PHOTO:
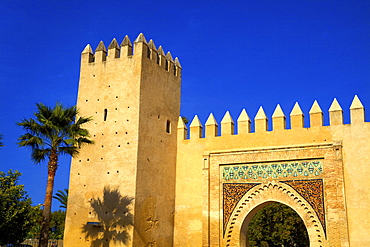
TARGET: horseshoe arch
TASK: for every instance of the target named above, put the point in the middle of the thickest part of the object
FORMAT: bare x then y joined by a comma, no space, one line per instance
260,196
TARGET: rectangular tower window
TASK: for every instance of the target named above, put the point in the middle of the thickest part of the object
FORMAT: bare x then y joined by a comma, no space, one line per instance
105,114
168,126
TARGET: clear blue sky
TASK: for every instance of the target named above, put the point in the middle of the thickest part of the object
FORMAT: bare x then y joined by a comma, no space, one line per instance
234,54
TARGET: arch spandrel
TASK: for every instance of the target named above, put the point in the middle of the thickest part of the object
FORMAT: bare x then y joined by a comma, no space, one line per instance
232,193
250,203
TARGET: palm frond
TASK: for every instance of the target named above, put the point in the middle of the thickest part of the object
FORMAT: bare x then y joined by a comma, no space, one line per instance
70,150
38,155
82,120
83,140
54,129
30,140
62,197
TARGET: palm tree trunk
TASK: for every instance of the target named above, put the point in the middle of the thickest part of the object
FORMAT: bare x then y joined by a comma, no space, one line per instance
52,168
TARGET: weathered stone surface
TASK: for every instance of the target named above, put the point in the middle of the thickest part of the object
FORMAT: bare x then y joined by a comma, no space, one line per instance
134,127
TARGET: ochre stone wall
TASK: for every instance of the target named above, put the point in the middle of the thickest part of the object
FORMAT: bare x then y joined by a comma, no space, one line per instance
204,164
148,181
117,195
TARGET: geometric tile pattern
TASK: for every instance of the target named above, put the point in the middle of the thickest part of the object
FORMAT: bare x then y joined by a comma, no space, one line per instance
312,191
232,193
283,170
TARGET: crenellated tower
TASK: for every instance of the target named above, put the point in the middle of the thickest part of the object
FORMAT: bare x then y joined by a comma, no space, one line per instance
122,188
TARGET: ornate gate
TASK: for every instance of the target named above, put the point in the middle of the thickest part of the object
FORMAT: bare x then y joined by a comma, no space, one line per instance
309,179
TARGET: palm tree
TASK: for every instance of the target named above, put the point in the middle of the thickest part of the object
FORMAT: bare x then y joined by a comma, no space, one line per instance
62,197
53,132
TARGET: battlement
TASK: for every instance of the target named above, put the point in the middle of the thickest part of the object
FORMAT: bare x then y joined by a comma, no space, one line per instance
140,49
244,123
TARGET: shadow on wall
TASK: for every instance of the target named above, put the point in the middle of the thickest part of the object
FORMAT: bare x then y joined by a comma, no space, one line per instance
112,219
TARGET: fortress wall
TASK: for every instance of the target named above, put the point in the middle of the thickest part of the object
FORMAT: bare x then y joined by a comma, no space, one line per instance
104,91
356,159
133,122
191,170
156,165
192,167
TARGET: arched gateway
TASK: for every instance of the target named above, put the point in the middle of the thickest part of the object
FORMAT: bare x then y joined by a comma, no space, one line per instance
257,198
309,179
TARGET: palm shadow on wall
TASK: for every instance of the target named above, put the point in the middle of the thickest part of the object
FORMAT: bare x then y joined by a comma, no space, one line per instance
112,212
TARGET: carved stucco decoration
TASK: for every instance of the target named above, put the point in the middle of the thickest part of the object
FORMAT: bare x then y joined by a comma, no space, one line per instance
233,192
278,191
313,192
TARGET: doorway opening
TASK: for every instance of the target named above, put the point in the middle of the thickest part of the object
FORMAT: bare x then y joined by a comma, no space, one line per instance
275,224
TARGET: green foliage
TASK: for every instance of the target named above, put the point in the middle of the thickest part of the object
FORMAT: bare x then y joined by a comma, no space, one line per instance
17,215
62,197
277,225
34,233
56,228
185,119
54,130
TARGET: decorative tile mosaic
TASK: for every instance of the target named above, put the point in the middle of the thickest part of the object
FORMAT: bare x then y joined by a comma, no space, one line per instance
312,191
232,193
248,172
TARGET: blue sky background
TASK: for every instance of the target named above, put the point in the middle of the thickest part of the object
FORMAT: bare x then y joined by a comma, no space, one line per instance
234,54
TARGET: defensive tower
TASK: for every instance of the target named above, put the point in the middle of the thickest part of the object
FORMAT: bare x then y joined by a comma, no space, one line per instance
133,94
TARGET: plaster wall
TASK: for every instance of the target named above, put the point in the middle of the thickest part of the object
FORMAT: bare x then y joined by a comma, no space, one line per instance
134,101
156,164
112,86
356,159
345,190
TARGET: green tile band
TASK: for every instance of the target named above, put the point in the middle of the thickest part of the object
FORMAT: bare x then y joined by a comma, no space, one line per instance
247,172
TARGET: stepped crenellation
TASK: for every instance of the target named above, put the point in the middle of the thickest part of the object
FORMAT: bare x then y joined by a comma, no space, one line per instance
316,115
141,48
